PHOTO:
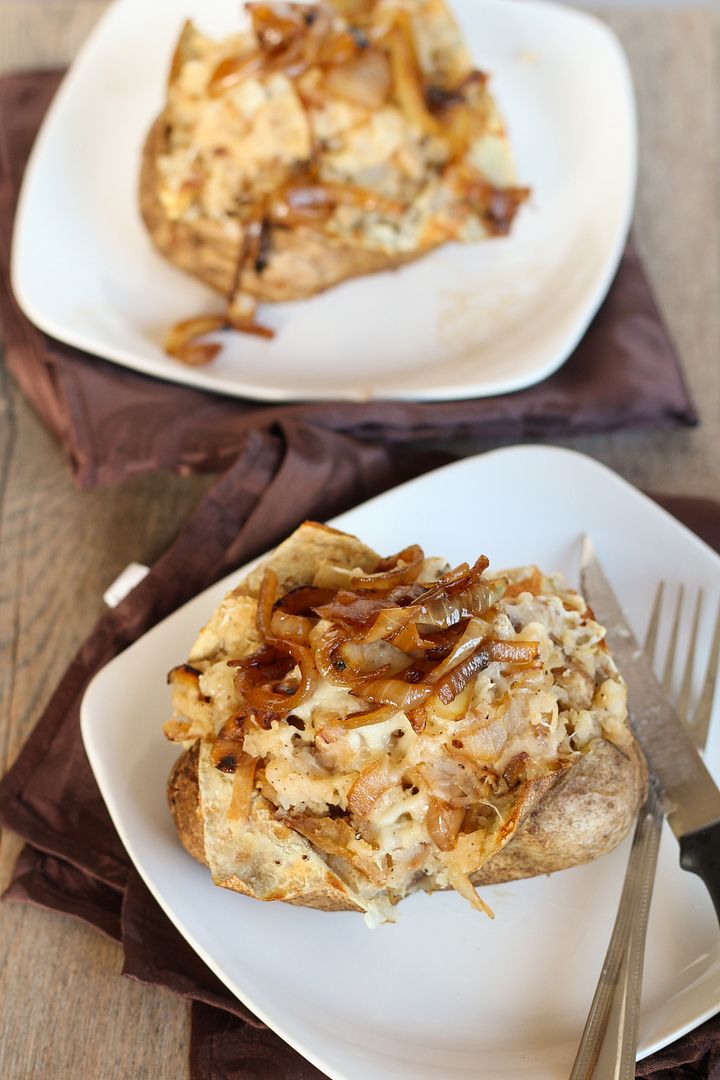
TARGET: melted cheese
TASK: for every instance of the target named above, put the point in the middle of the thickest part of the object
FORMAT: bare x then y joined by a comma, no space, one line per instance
238,143
517,724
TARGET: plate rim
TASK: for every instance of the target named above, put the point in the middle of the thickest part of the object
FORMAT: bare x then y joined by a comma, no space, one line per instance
152,367
98,767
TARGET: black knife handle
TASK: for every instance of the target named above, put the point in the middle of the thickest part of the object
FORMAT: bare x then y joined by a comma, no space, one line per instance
700,854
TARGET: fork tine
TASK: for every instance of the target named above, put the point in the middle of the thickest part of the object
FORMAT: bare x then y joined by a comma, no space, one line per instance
683,702
701,720
672,644
652,629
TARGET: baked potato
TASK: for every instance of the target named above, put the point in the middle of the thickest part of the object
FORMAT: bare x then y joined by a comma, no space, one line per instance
327,141
358,728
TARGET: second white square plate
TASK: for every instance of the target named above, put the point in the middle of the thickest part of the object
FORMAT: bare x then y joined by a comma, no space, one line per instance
444,993
466,321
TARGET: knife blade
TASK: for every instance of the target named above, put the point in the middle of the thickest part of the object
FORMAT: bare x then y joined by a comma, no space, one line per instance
691,800
690,796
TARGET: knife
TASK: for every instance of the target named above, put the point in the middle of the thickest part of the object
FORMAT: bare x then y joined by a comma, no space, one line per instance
690,797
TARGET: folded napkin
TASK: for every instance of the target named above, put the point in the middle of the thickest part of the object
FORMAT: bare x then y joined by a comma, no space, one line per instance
113,422
74,861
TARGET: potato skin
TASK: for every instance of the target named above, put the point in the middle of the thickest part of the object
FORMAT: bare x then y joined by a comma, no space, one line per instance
183,796
302,261
559,820
584,814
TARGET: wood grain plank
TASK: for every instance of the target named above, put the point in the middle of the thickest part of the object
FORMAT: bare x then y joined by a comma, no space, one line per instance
68,1014
66,1011
45,33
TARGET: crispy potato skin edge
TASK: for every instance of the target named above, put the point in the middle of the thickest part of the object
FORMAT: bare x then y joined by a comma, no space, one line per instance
184,802
584,814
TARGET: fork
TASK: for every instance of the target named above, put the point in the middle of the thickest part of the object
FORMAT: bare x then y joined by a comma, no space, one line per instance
609,1041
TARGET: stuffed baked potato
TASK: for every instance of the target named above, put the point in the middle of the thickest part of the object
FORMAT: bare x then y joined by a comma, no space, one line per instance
328,141
357,728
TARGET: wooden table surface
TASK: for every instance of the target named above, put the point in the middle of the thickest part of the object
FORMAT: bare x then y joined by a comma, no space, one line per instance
66,1012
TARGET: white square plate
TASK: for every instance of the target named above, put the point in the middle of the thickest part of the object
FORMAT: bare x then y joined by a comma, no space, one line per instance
443,989
466,321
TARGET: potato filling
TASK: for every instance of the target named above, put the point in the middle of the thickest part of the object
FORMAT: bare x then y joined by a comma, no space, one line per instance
399,716
365,122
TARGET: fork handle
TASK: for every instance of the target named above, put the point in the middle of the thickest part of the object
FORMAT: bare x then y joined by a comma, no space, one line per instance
700,854
608,1044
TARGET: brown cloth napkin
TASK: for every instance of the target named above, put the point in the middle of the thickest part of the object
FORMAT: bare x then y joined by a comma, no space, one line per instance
74,861
113,422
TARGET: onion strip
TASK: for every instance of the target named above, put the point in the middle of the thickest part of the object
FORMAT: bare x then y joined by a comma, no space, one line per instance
443,823
368,788
357,720
289,627
243,787
405,568
404,696
461,883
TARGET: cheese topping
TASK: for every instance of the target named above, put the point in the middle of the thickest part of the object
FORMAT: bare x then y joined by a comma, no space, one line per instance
426,790
237,138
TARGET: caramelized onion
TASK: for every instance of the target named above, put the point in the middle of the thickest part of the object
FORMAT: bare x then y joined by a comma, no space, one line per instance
266,599
357,720
360,609
311,201
182,344
408,639
483,741
452,710
277,24
496,206
531,584
257,676
403,695
290,627
440,607
337,669
461,883
303,657
255,329
266,664
233,70
458,577
357,10
181,340
443,823
227,748
304,599
405,567
391,621
243,787
371,785
371,661
363,80
339,48
516,769
458,677
407,77
329,576
513,652
450,609
471,638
